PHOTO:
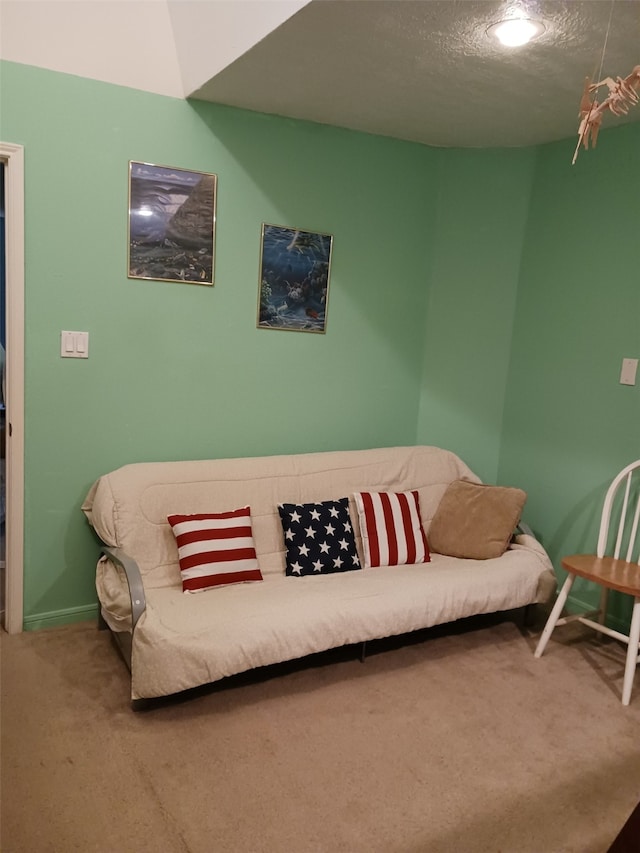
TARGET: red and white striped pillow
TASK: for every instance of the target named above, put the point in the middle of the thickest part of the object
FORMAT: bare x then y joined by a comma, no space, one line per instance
215,548
391,528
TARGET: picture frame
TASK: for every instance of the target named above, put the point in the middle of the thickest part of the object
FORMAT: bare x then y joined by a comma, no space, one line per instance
293,288
171,224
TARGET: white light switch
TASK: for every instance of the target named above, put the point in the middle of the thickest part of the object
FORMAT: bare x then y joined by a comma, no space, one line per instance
74,344
628,372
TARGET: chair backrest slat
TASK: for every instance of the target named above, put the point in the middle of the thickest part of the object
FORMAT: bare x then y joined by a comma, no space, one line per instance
625,527
623,516
634,533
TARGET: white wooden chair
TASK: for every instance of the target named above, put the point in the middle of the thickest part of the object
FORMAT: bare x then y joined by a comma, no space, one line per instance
607,569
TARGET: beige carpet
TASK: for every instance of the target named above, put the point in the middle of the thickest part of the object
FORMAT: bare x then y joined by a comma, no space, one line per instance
460,742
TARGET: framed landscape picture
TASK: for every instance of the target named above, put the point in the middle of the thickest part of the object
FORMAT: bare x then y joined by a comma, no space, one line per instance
172,224
294,279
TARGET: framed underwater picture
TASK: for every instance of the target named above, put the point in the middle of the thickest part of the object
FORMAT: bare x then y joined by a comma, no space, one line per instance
172,223
294,279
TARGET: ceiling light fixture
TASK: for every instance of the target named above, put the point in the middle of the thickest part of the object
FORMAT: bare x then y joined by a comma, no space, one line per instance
514,32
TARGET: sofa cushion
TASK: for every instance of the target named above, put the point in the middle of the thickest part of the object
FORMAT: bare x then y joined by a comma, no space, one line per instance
391,528
215,548
475,521
128,508
318,538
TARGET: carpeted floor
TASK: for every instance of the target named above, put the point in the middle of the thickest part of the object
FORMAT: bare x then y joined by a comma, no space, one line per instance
455,741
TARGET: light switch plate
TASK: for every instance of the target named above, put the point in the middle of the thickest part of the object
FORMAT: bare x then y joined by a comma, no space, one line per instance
74,344
628,372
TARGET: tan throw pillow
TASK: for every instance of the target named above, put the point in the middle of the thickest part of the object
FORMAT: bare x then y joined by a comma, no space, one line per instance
475,521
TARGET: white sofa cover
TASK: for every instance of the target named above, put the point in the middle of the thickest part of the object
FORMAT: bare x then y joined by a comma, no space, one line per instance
182,641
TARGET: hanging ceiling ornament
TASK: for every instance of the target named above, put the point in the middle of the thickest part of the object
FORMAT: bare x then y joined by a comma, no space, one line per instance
623,94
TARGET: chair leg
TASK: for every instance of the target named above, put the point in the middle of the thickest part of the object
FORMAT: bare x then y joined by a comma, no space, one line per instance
604,598
561,600
602,615
632,653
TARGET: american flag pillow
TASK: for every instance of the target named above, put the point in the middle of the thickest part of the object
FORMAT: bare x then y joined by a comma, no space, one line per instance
391,528
215,548
319,538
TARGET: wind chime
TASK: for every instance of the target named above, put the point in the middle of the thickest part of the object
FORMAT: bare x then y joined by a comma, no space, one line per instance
623,94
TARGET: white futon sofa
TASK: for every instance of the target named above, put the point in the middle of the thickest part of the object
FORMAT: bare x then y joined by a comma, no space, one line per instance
174,640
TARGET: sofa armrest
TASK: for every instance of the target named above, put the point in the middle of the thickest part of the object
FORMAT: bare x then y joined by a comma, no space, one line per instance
134,581
524,528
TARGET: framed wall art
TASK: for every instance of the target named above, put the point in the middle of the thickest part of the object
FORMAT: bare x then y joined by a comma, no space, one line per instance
172,224
294,279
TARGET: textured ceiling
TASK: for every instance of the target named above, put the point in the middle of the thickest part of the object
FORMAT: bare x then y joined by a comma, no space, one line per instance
427,72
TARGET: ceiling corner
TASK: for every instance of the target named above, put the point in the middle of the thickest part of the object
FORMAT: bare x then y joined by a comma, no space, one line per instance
211,34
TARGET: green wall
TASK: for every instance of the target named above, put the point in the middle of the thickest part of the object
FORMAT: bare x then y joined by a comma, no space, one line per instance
481,218
569,425
181,371
479,300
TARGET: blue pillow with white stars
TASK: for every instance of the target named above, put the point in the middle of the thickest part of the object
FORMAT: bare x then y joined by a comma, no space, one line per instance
319,538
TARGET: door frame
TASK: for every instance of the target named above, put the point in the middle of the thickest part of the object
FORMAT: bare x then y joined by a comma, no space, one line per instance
13,158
